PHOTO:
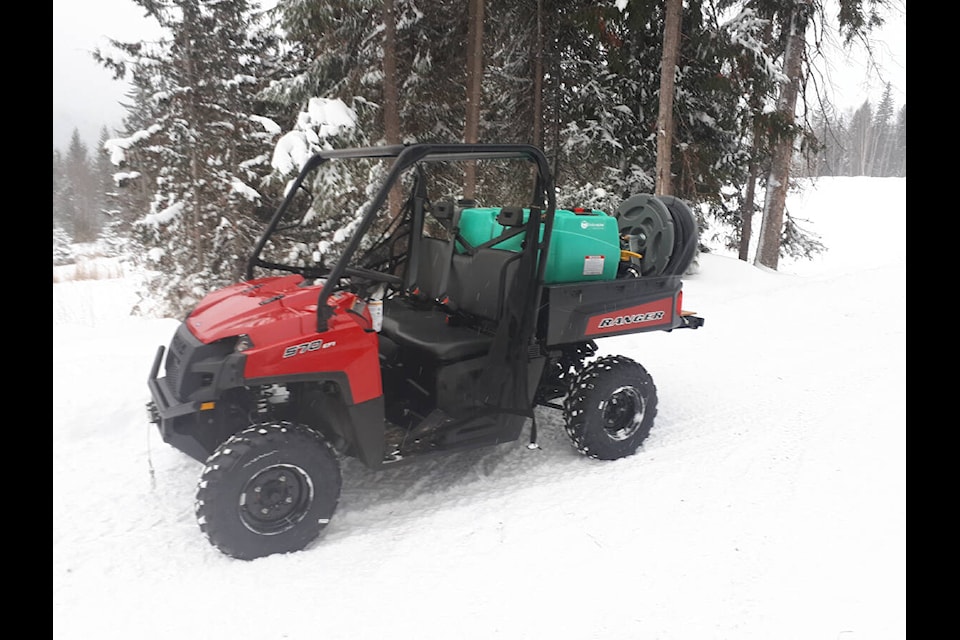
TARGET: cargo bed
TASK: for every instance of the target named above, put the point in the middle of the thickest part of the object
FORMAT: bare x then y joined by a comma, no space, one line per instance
574,312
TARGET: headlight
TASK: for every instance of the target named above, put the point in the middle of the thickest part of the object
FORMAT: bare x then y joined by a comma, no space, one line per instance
243,343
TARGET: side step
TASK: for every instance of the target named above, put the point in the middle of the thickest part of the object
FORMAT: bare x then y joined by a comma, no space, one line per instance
403,443
440,431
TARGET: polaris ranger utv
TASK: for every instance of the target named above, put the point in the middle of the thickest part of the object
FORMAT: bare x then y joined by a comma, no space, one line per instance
441,325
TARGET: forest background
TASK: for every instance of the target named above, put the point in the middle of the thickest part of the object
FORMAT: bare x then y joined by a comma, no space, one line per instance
224,108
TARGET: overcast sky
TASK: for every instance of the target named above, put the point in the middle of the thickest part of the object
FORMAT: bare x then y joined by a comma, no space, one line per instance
86,98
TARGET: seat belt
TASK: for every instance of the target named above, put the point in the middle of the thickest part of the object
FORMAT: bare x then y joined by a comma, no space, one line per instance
443,299
417,199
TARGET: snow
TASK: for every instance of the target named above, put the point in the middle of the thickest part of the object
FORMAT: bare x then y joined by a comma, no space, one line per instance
322,119
768,502
330,116
268,125
247,192
291,152
117,147
165,215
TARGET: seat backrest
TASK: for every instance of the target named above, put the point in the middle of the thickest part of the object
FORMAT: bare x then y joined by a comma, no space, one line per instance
430,267
476,284
480,283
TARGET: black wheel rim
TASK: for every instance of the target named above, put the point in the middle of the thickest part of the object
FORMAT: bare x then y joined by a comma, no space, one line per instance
275,499
622,413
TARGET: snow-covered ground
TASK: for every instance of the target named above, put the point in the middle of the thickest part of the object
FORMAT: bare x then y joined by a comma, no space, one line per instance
768,502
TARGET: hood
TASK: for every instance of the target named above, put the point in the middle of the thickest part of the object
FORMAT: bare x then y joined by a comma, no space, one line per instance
247,307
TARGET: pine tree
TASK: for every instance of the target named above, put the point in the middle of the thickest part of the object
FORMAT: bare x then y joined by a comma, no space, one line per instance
726,83
332,53
62,240
609,117
873,144
59,187
883,136
114,229
861,140
432,64
197,144
581,80
62,247
830,130
900,155
80,206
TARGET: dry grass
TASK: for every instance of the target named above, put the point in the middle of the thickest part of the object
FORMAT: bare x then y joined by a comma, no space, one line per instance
90,268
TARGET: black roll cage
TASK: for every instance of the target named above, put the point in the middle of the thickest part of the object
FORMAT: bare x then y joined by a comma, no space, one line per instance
407,156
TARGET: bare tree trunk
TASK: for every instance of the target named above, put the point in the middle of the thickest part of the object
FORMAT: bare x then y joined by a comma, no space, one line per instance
537,137
878,159
668,72
861,134
753,171
198,233
746,213
872,147
866,144
558,82
771,227
471,130
391,107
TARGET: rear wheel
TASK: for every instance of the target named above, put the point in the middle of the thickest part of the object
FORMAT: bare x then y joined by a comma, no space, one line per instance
611,408
268,489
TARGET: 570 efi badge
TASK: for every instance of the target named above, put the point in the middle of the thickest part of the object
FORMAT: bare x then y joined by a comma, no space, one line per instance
304,347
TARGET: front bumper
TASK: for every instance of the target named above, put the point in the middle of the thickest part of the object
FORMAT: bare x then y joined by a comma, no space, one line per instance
176,421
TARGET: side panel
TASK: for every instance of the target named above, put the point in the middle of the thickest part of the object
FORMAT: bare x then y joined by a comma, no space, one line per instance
576,312
346,347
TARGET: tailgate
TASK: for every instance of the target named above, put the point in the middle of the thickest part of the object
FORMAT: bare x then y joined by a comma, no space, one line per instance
588,310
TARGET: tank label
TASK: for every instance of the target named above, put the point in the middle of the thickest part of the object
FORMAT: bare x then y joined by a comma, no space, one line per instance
593,265
631,319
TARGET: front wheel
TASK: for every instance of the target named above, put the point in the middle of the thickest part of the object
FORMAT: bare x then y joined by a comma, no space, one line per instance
610,409
268,489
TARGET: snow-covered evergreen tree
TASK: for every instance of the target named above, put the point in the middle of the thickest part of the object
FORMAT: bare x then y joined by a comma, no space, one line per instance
78,209
900,166
332,52
339,190
62,247
223,111
861,139
197,144
884,136
59,185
